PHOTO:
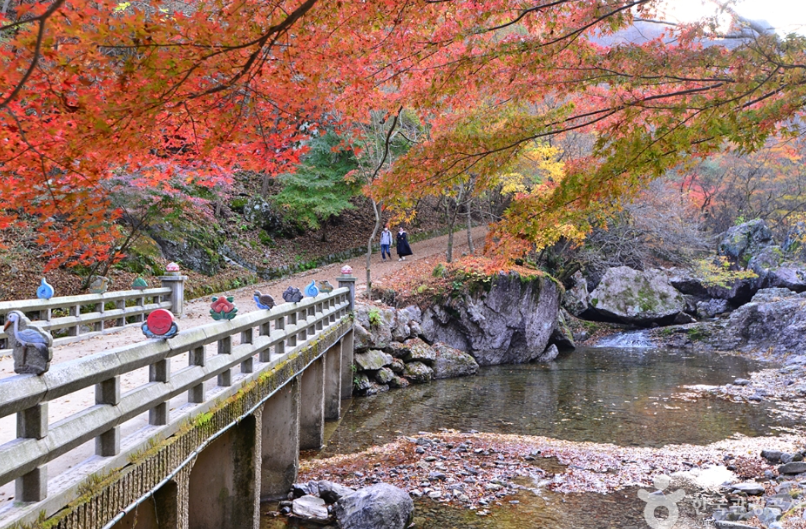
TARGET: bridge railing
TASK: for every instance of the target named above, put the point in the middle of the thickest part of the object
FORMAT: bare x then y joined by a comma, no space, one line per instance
264,336
73,318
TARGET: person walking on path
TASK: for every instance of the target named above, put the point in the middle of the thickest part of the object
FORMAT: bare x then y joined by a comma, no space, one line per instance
403,248
386,243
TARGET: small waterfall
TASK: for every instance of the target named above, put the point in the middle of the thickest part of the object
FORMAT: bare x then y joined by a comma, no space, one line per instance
633,339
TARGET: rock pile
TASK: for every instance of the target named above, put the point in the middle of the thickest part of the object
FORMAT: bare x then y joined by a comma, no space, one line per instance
381,506
390,354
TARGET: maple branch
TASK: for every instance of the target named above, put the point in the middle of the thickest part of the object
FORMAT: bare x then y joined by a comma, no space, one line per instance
37,48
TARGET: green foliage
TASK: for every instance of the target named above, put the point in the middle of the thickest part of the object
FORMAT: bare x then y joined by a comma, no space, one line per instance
374,317
439,270
318,190
717,272
266,239
697,334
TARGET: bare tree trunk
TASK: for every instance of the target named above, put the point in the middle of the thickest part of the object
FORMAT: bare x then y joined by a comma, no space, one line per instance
264,186
451,224
470,248
376,210
5,7
468,203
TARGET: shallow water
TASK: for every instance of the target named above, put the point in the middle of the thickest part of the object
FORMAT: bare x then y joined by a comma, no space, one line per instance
616,396
620,396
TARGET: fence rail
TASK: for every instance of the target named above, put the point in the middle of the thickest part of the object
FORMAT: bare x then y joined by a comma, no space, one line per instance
264,336
73,318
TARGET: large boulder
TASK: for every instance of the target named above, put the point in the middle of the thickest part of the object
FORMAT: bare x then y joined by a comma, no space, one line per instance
740,243
451,363
632,296
774,320
505,320
774,269
576,298
380,506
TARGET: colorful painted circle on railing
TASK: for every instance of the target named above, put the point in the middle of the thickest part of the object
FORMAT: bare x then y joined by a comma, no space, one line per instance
159,322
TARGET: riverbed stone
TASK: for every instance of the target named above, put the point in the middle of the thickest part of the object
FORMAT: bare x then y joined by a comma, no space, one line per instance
310,508
795,467
418,372
549,354
397,349
380,506
451,362
384,375
419,351
397,366
750,488
712,307
333,492
398,382
639,297
361,382
372,360
776,269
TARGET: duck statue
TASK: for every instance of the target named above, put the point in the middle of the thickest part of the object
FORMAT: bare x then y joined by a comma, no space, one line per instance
325,287
31,346
44,290
263,301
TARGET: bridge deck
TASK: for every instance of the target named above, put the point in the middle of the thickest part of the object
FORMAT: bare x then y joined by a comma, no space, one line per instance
133,397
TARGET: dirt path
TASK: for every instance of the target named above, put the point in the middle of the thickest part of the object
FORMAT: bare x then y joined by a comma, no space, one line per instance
197,312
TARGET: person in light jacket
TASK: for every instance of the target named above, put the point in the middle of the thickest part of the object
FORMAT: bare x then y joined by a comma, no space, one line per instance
386,243
403,248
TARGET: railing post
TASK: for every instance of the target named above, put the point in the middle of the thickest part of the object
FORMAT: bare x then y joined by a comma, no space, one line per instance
248,365
108,392
225,348
279,325
292,339
196,358
177,286
32,423
349,282
159,372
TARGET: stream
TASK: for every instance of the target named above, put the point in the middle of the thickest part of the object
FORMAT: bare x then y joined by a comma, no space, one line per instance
603,395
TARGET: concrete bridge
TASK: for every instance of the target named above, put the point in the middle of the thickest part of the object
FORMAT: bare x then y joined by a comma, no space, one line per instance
229,406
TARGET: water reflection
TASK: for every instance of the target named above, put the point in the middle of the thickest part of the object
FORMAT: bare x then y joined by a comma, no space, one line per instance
619,396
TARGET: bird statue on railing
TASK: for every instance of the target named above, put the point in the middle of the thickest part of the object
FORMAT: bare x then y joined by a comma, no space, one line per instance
263,301
292,295
44,290
31,345
325,287
311,291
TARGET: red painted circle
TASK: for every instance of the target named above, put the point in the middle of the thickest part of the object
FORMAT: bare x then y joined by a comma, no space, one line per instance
159,322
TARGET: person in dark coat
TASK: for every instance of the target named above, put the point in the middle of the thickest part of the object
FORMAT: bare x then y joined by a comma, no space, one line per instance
403,248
